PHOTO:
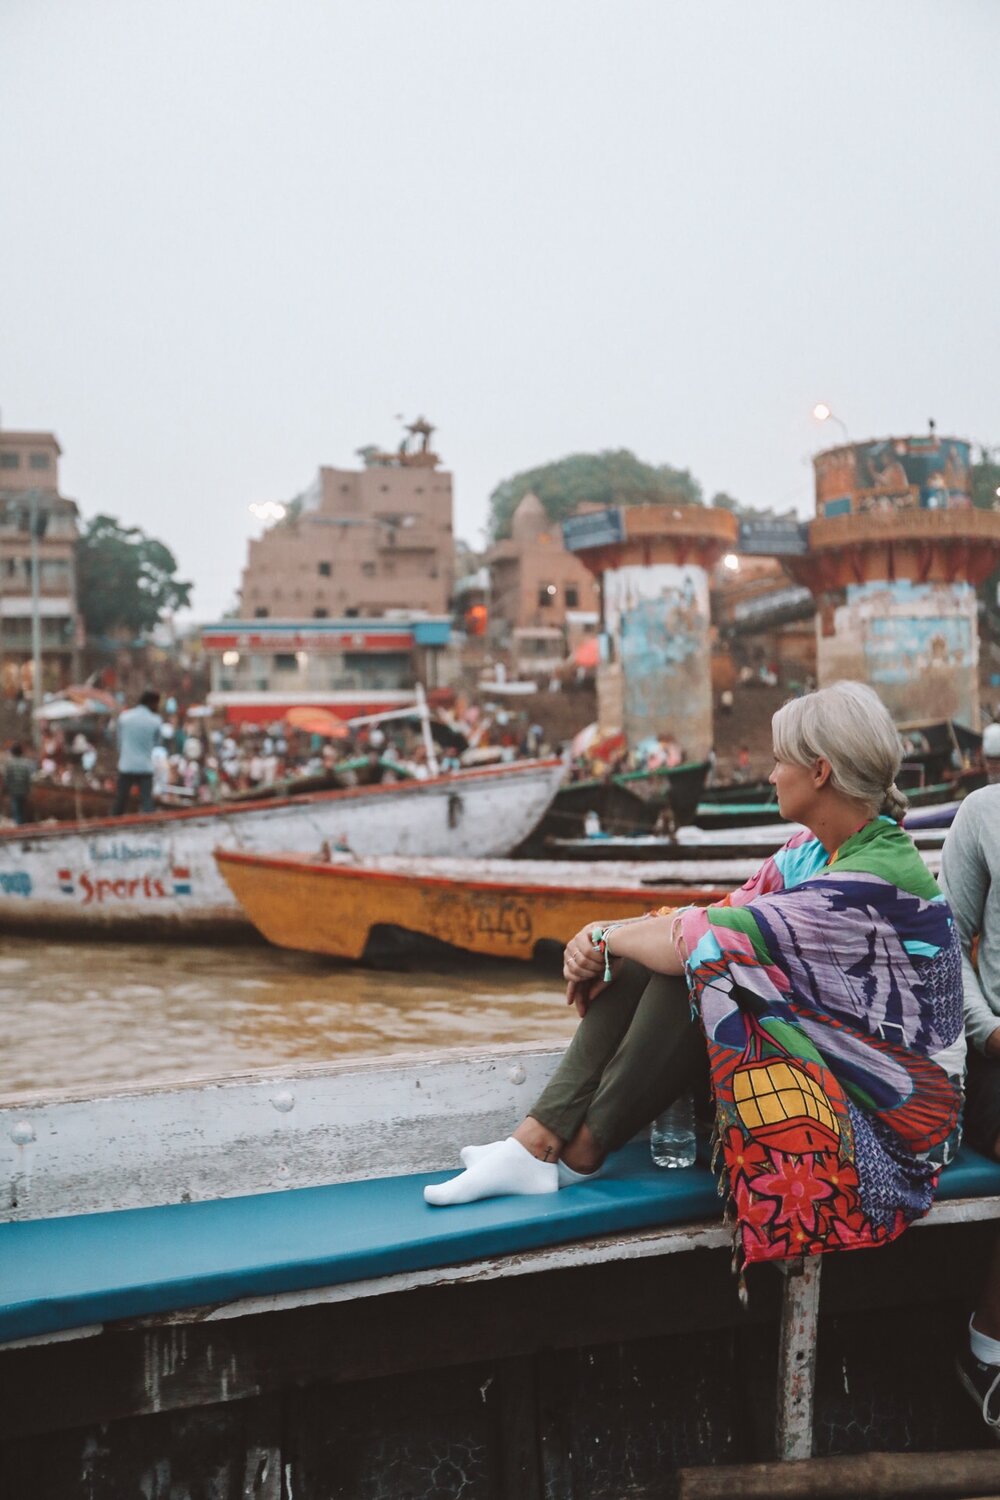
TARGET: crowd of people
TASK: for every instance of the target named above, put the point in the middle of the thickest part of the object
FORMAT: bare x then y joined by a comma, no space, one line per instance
171,758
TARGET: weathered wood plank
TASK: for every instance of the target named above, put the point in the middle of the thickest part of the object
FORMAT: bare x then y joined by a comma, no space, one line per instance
260,1132
612,1249
227,1453
631,1382
128,1371
797,1358
877,1476
429,1440
516,1404
266,1131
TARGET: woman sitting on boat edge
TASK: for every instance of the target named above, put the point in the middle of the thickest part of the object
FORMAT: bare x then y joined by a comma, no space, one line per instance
827,994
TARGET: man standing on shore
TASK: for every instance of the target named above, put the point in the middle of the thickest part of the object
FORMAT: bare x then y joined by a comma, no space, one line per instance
17,783
139,732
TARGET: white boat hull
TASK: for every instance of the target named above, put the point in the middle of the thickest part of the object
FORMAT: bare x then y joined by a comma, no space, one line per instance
157,872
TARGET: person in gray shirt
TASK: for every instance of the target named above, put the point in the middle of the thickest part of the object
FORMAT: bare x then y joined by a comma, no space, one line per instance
970,878
139,732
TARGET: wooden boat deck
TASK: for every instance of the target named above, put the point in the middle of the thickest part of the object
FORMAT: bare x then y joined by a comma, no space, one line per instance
598,1366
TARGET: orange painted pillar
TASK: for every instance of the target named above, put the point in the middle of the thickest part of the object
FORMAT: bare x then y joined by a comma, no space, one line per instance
653,562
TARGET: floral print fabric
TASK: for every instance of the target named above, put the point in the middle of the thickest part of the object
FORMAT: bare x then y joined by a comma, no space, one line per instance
831,999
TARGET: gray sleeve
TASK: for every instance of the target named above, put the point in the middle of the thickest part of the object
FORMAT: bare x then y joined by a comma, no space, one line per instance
965,880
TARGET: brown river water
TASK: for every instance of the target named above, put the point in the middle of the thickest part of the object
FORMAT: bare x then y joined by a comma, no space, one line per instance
92,1016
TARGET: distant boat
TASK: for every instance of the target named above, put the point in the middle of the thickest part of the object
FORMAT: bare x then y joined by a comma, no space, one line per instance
753,813
740,791
155,872
629,802
52,799
499,908
706,846
733,814
68,803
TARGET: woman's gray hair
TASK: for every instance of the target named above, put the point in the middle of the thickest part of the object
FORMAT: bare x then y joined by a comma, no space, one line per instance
848,725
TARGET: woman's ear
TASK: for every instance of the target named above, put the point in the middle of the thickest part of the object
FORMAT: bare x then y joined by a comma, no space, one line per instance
822,771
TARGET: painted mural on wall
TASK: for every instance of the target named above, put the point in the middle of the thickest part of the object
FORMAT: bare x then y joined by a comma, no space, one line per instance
925,473
658,619
916,643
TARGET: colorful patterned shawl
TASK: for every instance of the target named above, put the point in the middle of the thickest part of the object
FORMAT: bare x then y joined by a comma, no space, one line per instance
830,993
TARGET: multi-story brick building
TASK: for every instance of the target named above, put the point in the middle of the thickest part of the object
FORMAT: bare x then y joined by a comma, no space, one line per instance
29,485
358,543
373,545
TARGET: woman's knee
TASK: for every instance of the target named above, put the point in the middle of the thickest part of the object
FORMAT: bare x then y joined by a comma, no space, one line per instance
667,989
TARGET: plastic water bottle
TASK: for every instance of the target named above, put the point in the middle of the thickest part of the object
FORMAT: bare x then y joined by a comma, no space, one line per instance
671,1136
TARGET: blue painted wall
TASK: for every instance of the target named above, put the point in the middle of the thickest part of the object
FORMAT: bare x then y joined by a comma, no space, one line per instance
917,644
657,618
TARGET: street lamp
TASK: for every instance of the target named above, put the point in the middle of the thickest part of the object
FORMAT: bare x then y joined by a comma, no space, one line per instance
268,510
822,413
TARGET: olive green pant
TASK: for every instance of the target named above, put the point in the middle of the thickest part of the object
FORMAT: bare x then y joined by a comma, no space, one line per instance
635,1051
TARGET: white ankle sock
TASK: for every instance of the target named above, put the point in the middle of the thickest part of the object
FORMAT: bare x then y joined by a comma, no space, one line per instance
471,1154
507,1168
983,1347
567,1177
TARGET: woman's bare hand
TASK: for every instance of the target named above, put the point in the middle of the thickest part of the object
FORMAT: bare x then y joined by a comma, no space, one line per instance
581,995
578,995
584,968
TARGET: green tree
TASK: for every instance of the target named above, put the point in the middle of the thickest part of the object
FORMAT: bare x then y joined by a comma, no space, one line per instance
739,508
126,580
727,502
610,478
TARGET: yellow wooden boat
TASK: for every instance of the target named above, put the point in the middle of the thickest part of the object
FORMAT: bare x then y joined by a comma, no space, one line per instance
499,908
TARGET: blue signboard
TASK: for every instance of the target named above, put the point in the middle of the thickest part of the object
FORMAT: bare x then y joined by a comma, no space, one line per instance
598,528
773,536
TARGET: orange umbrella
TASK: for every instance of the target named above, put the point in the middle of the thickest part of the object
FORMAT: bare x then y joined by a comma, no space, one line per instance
318,721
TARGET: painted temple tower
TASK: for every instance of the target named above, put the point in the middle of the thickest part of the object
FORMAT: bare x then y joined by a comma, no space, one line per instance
896,552
653,562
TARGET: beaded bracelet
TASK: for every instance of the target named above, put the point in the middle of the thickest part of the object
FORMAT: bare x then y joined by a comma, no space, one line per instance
598,940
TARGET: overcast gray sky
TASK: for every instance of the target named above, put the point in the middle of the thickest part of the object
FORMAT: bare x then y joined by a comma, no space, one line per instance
239,236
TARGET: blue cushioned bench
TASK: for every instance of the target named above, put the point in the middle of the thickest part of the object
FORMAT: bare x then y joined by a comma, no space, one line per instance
64,1273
